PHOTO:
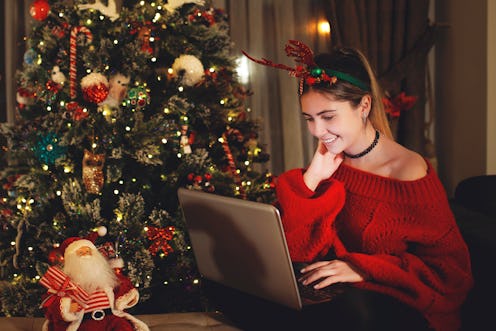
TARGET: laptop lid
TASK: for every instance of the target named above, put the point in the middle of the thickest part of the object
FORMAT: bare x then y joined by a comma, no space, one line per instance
240,244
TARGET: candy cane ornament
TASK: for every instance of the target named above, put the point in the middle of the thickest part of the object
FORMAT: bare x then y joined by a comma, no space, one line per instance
232,164
72,55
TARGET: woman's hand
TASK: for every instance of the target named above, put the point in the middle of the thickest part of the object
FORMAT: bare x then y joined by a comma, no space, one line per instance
329,272
323,165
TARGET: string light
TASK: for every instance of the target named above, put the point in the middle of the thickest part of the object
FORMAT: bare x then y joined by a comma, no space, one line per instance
118,216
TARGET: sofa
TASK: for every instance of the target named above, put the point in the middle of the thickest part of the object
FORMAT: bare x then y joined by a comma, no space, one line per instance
474,207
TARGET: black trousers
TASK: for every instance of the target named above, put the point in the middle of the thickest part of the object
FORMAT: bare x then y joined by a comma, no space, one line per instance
353,310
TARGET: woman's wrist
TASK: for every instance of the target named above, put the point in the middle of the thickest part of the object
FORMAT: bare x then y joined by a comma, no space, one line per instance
311,181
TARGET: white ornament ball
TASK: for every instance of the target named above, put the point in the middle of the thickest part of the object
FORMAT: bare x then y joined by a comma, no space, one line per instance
189,69
102,231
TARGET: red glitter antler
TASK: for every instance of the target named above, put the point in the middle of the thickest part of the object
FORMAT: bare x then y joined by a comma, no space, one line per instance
301,52
268,63
294,48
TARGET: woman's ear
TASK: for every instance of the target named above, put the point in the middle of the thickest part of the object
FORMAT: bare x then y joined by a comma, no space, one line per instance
365,105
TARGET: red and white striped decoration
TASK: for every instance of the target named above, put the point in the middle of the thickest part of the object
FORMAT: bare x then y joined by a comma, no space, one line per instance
97,300
59,284
232,164
72,55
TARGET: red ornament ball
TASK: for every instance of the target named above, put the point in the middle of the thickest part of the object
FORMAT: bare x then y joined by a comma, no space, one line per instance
39,10
55,256
96,93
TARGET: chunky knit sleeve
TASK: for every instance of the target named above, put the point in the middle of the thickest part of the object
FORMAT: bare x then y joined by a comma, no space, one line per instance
308,216
412,249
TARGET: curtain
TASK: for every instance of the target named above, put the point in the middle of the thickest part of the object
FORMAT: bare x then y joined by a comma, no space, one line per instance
15,24
262,28
396,36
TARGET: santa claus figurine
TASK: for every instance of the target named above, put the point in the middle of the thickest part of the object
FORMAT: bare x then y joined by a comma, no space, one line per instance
87,294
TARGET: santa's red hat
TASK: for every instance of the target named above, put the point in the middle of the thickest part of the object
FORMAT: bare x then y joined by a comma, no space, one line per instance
72,244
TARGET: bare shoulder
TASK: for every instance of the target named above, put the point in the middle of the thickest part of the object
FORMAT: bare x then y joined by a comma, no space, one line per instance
407,165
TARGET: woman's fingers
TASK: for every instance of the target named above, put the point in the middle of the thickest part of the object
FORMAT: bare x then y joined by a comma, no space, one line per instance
329,272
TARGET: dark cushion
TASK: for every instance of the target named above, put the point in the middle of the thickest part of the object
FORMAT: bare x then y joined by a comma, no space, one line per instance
478,193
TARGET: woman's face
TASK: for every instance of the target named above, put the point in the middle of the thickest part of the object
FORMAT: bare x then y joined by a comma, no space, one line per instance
336,123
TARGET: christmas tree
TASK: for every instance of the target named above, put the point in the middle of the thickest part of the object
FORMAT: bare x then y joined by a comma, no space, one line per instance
117,109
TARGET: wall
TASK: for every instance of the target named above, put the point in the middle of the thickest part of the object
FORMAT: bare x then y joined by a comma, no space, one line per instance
461,90
491,87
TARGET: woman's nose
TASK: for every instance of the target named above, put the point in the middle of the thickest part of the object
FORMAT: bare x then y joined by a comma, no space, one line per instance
319,129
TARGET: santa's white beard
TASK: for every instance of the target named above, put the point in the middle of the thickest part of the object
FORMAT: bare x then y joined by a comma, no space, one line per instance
91,272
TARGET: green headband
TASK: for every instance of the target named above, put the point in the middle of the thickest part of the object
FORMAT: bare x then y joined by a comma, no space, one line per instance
317,73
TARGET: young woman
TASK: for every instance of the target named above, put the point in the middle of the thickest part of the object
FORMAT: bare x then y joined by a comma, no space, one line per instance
367,211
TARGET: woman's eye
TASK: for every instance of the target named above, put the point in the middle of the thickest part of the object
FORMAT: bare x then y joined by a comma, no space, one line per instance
309,119
327,118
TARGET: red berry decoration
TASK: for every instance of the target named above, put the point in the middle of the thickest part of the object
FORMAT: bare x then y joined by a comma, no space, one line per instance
39,10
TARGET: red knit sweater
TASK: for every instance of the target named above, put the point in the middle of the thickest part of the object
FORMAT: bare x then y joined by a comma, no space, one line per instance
401,234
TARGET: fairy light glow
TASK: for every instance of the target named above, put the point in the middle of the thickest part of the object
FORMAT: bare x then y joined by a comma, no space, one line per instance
242,69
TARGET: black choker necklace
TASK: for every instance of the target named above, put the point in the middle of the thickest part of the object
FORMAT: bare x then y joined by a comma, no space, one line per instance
367,150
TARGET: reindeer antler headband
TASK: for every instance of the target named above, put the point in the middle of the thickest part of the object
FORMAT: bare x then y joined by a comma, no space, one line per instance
310,73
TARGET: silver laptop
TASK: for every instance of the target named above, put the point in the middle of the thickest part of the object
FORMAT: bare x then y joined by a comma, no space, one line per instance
241,244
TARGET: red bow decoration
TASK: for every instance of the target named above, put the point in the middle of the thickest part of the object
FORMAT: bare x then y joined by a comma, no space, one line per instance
400,103
59,284
160,238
